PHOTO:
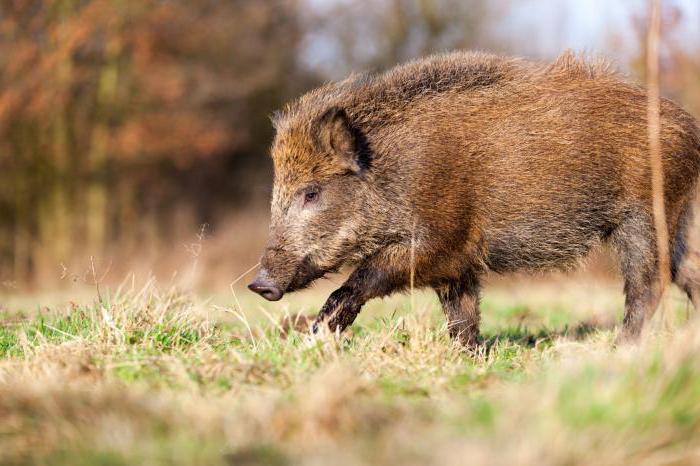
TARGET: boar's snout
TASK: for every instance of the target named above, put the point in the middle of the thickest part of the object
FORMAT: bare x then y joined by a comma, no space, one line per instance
263,286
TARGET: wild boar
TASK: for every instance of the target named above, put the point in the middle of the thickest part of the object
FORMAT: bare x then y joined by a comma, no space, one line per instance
445,168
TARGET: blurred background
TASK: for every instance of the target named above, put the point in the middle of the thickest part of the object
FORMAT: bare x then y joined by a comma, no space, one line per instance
136,132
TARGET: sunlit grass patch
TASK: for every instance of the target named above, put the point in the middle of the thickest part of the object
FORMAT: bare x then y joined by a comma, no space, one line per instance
157,376
8,342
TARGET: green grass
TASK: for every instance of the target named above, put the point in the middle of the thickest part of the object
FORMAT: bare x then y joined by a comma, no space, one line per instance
154,376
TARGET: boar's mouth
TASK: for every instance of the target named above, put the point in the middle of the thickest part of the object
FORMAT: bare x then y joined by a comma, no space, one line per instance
306,273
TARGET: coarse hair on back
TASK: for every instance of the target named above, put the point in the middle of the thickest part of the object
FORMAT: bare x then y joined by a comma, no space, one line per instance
371,97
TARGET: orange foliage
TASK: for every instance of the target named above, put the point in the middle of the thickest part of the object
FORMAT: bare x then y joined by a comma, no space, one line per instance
103,99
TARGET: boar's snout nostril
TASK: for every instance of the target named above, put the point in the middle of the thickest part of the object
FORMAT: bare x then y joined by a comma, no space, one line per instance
266,289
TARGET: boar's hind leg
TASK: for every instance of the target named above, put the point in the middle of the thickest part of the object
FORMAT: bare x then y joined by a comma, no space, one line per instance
460,302
685,266
635,243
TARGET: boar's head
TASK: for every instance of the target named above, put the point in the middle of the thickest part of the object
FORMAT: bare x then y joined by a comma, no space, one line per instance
321,165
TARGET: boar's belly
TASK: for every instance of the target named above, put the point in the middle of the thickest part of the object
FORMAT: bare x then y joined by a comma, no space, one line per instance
543,243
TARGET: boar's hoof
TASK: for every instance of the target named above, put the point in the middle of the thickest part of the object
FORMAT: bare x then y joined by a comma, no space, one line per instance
626,337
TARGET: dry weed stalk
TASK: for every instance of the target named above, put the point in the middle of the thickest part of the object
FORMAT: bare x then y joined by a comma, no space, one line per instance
655,156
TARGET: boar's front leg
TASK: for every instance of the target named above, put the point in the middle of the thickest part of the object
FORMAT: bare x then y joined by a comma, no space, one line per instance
460,302
340,310
344,304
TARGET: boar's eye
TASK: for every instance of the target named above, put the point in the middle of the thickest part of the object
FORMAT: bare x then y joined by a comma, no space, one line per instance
311,196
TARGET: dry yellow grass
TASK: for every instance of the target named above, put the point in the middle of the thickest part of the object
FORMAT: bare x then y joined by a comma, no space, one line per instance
152,376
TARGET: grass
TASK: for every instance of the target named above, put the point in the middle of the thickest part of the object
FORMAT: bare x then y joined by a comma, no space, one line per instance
154,376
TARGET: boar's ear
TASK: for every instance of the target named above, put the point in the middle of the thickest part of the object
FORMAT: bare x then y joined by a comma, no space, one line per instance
337,136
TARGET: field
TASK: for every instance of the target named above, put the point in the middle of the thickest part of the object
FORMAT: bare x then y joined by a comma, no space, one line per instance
152,375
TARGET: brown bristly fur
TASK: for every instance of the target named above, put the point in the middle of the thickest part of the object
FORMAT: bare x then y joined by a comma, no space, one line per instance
500,164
